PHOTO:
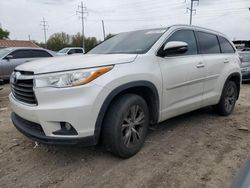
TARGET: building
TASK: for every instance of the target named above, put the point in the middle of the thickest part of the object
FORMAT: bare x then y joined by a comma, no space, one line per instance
17,43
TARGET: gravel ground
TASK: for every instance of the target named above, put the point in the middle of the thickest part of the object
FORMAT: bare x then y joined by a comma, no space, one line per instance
198,149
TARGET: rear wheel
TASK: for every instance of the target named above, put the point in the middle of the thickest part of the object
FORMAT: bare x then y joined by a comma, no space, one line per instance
228,99
125,125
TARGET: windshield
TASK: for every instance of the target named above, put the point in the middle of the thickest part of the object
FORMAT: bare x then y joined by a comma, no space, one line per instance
64,50
4,52
135,42
245,57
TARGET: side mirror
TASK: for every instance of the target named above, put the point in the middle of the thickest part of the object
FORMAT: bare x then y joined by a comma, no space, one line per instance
175,48
8,57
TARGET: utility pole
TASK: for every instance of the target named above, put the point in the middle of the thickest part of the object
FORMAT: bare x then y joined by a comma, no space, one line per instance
103,29
29,37
45,26
191,10
82,10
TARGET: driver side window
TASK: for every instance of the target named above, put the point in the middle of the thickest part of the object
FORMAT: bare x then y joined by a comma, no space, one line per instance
188,37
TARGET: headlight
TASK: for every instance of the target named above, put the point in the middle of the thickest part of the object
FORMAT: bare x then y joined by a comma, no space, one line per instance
70,78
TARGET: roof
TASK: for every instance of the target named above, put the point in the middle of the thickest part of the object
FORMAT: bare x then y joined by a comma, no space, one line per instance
17,43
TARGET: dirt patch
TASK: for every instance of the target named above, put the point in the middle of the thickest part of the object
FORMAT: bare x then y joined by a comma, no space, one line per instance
199,149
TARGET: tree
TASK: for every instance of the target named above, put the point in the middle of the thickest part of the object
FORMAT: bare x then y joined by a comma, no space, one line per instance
90,43
110,35
4,34
58,41
76,40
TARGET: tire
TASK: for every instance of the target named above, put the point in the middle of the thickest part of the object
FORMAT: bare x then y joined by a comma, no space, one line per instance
228,99
125,125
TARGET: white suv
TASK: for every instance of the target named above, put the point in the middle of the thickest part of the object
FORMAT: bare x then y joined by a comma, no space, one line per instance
124,85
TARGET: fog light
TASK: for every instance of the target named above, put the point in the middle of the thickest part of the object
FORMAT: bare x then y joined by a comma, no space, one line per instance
68,126
66,129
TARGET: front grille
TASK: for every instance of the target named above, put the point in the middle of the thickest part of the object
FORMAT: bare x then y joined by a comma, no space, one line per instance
22,90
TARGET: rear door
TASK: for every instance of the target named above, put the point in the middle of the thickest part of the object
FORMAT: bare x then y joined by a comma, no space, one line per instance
183,77
215,61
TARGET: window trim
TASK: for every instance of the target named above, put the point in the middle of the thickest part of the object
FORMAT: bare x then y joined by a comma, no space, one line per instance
174,31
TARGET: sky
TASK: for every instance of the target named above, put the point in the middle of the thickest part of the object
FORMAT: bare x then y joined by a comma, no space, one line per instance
23,17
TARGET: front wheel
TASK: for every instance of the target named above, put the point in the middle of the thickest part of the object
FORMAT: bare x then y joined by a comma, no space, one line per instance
125,125
228,99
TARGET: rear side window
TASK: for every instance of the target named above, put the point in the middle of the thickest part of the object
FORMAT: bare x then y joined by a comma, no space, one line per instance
208,43
40,53
19,54
185,36
78,51
225,45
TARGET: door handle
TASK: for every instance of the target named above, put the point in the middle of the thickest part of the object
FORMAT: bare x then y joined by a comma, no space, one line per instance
226,61
200,65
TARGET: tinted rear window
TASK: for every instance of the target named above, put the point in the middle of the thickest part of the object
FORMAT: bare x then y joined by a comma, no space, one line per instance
40,53
225,45
208,43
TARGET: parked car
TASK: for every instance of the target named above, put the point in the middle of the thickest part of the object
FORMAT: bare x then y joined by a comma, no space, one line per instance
243,178
70,51
12,57
245,66
124,85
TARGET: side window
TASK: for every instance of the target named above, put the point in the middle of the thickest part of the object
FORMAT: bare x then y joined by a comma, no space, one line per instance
79,51
225,45
72,51
185,36
19,54
208,43
40,53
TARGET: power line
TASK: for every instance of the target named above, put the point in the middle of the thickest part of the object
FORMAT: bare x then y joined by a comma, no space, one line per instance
191,10
82,10
45,26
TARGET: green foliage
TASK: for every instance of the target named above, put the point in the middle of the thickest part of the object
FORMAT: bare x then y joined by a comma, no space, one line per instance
110,35
57,41
90,43
76,40
4,34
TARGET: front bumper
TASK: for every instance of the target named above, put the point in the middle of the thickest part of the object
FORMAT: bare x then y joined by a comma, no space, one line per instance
78,106
35,132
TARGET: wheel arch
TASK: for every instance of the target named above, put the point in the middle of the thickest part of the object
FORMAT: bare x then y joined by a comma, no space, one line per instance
145,89
235,77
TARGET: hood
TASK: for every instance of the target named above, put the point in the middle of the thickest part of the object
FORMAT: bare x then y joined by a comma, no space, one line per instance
64,63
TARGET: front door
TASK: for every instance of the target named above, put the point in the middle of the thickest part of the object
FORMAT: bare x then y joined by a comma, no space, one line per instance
183,77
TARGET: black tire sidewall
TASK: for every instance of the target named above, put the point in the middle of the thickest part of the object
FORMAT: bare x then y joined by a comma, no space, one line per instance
221,105
113,124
